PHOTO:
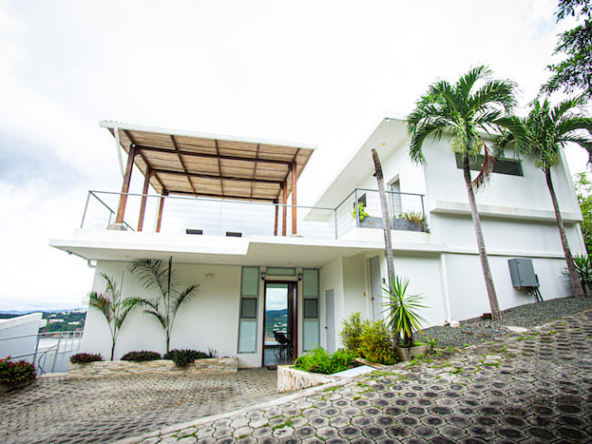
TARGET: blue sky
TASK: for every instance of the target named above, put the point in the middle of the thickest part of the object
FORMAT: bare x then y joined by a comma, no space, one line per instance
315,72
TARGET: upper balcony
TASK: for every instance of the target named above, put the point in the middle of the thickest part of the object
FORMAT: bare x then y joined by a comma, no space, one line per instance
218,199
234,218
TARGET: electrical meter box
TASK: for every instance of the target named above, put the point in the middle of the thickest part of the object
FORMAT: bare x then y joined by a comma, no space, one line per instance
522,273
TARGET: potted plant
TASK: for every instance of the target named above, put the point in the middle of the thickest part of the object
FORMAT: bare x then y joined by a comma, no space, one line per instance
403,318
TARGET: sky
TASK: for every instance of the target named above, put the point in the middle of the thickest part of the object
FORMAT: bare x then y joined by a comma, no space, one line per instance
317,72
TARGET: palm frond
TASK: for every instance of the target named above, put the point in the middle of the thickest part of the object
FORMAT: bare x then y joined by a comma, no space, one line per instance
159,317
183,296
101,303
151,274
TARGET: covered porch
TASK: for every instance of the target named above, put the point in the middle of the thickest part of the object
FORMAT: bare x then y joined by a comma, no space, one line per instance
208,166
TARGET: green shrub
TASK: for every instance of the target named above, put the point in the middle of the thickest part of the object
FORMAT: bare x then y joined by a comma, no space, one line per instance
85,358
351,332
184,357
320,361
13,373
141,356
376,343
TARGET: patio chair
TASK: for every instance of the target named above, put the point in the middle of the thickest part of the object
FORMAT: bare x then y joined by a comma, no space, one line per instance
283,341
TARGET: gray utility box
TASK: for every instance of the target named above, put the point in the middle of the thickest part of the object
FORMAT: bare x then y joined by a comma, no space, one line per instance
522,273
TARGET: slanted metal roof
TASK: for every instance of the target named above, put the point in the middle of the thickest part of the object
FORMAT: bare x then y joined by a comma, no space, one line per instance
210,165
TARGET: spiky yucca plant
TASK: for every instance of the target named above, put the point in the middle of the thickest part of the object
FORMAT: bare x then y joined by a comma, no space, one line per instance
402,311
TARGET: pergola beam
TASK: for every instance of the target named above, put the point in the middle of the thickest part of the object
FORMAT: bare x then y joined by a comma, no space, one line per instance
141,148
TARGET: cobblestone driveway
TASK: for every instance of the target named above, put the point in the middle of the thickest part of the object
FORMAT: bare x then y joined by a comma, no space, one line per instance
60,410
532,388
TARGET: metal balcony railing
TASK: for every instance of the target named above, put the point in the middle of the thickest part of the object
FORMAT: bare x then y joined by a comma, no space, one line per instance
216,217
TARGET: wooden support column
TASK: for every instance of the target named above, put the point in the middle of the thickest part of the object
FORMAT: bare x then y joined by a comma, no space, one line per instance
294,196
164,194
285,208
126,183
275,225
144,199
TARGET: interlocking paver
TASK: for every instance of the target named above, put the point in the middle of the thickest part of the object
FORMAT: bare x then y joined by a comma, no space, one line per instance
526,388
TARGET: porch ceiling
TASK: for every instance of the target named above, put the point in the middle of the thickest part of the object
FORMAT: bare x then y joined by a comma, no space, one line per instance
182,162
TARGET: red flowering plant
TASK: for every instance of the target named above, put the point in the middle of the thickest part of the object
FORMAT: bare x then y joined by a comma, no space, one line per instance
12,373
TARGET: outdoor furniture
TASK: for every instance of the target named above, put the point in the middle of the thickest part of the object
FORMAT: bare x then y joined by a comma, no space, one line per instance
285,345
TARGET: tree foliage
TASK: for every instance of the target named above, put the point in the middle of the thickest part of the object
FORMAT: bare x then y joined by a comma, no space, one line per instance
574,73
474,105
113,307
583,188
157,276
549,128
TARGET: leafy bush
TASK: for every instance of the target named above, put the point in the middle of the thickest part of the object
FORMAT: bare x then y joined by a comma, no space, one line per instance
320,361
85,358
376,343
16,372
184,357
351,332
141,356
583,265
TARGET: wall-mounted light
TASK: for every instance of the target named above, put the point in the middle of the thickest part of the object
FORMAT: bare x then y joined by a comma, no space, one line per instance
299,276
263,275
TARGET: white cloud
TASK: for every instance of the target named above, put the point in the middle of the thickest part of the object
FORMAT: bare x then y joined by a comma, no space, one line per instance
314,72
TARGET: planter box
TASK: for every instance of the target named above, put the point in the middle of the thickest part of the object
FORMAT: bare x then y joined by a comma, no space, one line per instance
396,224
407,354
9,387
289,379
160,367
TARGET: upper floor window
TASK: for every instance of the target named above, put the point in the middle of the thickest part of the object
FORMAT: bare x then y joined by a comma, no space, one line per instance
502,165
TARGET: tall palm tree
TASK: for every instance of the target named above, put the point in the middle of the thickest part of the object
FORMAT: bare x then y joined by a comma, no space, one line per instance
549,129
112,306
474,105
156,275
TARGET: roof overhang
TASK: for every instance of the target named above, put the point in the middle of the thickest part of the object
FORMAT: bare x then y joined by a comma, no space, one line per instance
389,136
210,165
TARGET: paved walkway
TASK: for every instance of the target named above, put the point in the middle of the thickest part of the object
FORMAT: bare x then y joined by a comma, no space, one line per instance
60,410
535,387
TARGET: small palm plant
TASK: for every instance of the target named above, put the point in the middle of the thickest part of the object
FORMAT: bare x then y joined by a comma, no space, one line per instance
583,266
156,275
402,310
113,307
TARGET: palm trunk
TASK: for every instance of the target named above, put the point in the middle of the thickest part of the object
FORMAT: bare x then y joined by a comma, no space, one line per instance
113,349
573,275
386,225
496,315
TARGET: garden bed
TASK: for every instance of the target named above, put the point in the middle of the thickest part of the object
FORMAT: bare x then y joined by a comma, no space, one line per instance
158,367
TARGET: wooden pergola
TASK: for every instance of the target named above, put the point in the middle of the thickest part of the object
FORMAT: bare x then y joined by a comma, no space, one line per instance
188,163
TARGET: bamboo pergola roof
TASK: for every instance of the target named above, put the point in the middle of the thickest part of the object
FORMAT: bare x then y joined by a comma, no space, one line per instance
182,162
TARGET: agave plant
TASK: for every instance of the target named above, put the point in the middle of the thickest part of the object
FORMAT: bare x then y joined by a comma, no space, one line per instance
155,275
583,266
114,308
402,310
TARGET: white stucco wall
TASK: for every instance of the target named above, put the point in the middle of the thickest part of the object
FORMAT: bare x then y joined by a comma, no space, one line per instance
331,278
18,336
209,319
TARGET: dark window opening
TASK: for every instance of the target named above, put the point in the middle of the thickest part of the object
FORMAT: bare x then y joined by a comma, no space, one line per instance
512,167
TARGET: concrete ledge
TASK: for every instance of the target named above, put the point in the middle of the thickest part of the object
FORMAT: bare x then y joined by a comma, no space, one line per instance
161,367
289,379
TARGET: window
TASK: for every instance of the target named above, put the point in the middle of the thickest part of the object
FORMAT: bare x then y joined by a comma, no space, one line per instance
502,165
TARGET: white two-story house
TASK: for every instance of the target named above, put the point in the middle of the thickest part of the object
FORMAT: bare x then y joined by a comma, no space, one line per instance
226,210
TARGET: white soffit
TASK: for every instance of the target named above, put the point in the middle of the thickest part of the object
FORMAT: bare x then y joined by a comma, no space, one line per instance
388,137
